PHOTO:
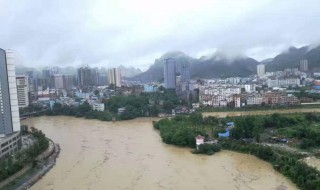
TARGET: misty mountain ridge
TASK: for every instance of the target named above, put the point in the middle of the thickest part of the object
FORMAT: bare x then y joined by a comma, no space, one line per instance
221,65
215,65
129,71
291,59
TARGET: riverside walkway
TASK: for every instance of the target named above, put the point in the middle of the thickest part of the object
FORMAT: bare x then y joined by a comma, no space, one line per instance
46,161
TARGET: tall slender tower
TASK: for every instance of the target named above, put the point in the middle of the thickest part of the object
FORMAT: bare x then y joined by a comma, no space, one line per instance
9,110
170,73
114,77
261,70
304,65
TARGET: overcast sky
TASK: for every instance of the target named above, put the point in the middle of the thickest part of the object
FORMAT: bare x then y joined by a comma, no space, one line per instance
135,32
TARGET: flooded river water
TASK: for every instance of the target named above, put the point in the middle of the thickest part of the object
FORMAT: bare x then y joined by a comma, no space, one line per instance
130,155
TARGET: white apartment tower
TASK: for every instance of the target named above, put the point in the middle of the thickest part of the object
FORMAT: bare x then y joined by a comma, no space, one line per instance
114,77
261,70
22,90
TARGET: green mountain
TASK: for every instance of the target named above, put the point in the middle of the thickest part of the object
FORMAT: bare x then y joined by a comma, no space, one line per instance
218,66
204,67
291,59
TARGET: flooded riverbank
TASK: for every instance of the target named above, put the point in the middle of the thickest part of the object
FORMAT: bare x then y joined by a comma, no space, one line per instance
130,155
258,112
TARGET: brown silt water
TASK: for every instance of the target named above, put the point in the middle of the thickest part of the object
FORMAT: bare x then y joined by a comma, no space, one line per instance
130,155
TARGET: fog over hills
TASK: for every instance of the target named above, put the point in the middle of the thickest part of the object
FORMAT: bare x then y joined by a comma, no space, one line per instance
220,65
291,59
216,65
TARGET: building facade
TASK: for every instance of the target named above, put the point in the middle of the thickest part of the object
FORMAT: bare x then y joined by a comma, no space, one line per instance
58,81
85,77
22,91
169,73
114,77
9,110
261,70
304,65
9,113
98,106
69,81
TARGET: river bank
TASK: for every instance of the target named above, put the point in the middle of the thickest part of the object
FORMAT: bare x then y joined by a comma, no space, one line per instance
131,155
28,176
223,114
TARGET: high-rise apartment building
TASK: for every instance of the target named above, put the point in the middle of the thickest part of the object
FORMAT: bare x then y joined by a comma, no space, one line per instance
10,139
85,77
304,65
174,69
22,90
9,113
169,73
261,70
58,81
54,70
69,81
114,77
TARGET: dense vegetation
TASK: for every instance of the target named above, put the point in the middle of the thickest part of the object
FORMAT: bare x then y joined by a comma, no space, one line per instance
147,104
182,130
208,149
304,176
302,127
11,165
248,130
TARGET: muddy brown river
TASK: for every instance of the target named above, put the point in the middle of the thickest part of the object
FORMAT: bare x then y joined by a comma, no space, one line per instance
130,155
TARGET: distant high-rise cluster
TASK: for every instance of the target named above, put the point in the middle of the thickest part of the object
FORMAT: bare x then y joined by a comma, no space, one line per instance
261,71
114,77
304,65
175,72
9,110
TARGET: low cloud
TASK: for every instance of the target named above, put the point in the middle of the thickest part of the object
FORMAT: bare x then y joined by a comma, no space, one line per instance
135,33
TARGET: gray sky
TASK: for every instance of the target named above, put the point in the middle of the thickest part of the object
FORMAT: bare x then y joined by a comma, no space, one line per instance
135,32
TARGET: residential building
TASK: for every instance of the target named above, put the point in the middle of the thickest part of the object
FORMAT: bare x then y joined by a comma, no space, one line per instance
150,88
9,110
85,77
114,77
22,90
283,82
169,73
237,101
255,99
58,81
199,141
69,81
172,70
304,65
98,106
261,70
103,79
54,70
